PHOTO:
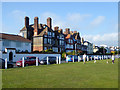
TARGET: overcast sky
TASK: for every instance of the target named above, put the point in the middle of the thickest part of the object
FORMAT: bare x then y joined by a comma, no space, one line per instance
97,22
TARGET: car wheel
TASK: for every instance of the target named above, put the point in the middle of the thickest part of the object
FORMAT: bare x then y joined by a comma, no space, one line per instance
27,64
10,66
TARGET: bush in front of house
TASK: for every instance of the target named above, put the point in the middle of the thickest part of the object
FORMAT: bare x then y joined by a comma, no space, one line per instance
63,55
49,51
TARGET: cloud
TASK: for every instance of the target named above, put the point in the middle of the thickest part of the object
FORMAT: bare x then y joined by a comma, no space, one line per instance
77,17
71,20
56,19
98,20
108,39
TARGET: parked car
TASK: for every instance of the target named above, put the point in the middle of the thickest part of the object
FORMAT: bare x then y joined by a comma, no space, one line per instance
51,60
29,60
2,64
69,58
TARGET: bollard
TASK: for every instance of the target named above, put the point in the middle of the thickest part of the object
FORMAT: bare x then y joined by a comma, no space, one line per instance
6,63
87,58
97,57
36,61
73,58
94,57
47,60
67,59
102,57
78,58
59,59
23,62
91,58
106,57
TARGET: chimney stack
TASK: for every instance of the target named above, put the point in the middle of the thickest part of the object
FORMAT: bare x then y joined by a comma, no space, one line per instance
35,26
56,28
26,21
49,22
67,31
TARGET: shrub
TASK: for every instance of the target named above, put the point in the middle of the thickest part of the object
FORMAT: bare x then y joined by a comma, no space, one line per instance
64,55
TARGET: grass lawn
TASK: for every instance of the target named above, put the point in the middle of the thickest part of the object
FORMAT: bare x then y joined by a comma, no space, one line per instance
66,75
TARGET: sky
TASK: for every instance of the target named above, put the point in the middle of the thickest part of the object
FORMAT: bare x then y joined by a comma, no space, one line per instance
97,22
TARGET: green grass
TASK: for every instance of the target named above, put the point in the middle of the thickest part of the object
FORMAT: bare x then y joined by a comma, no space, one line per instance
67,75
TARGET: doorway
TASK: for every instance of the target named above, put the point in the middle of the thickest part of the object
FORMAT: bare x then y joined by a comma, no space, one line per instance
10,56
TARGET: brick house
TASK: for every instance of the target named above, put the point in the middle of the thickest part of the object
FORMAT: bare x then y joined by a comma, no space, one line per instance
43,37
59,39
73,40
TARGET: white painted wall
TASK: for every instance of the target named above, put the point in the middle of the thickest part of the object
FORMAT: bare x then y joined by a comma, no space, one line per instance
13,44
17,56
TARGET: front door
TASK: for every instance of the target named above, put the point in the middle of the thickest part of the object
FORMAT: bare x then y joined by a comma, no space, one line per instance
10,56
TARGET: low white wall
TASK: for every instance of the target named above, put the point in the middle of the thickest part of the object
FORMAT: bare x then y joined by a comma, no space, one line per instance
17,57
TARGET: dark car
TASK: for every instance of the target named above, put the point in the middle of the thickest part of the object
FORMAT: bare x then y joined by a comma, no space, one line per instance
2,64
51,60
29,60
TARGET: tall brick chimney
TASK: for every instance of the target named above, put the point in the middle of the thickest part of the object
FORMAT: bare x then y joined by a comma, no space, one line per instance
56,28
26,21
35,26
49,22
67,31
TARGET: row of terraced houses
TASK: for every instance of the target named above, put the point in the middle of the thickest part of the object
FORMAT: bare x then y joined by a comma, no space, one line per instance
43,37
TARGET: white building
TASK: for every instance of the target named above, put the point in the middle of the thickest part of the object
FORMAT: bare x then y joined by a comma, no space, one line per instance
16,42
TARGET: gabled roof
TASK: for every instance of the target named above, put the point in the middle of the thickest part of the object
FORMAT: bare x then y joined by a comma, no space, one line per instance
13,37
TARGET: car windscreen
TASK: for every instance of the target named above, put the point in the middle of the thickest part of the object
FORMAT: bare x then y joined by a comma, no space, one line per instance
32,58
52,58
45,58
